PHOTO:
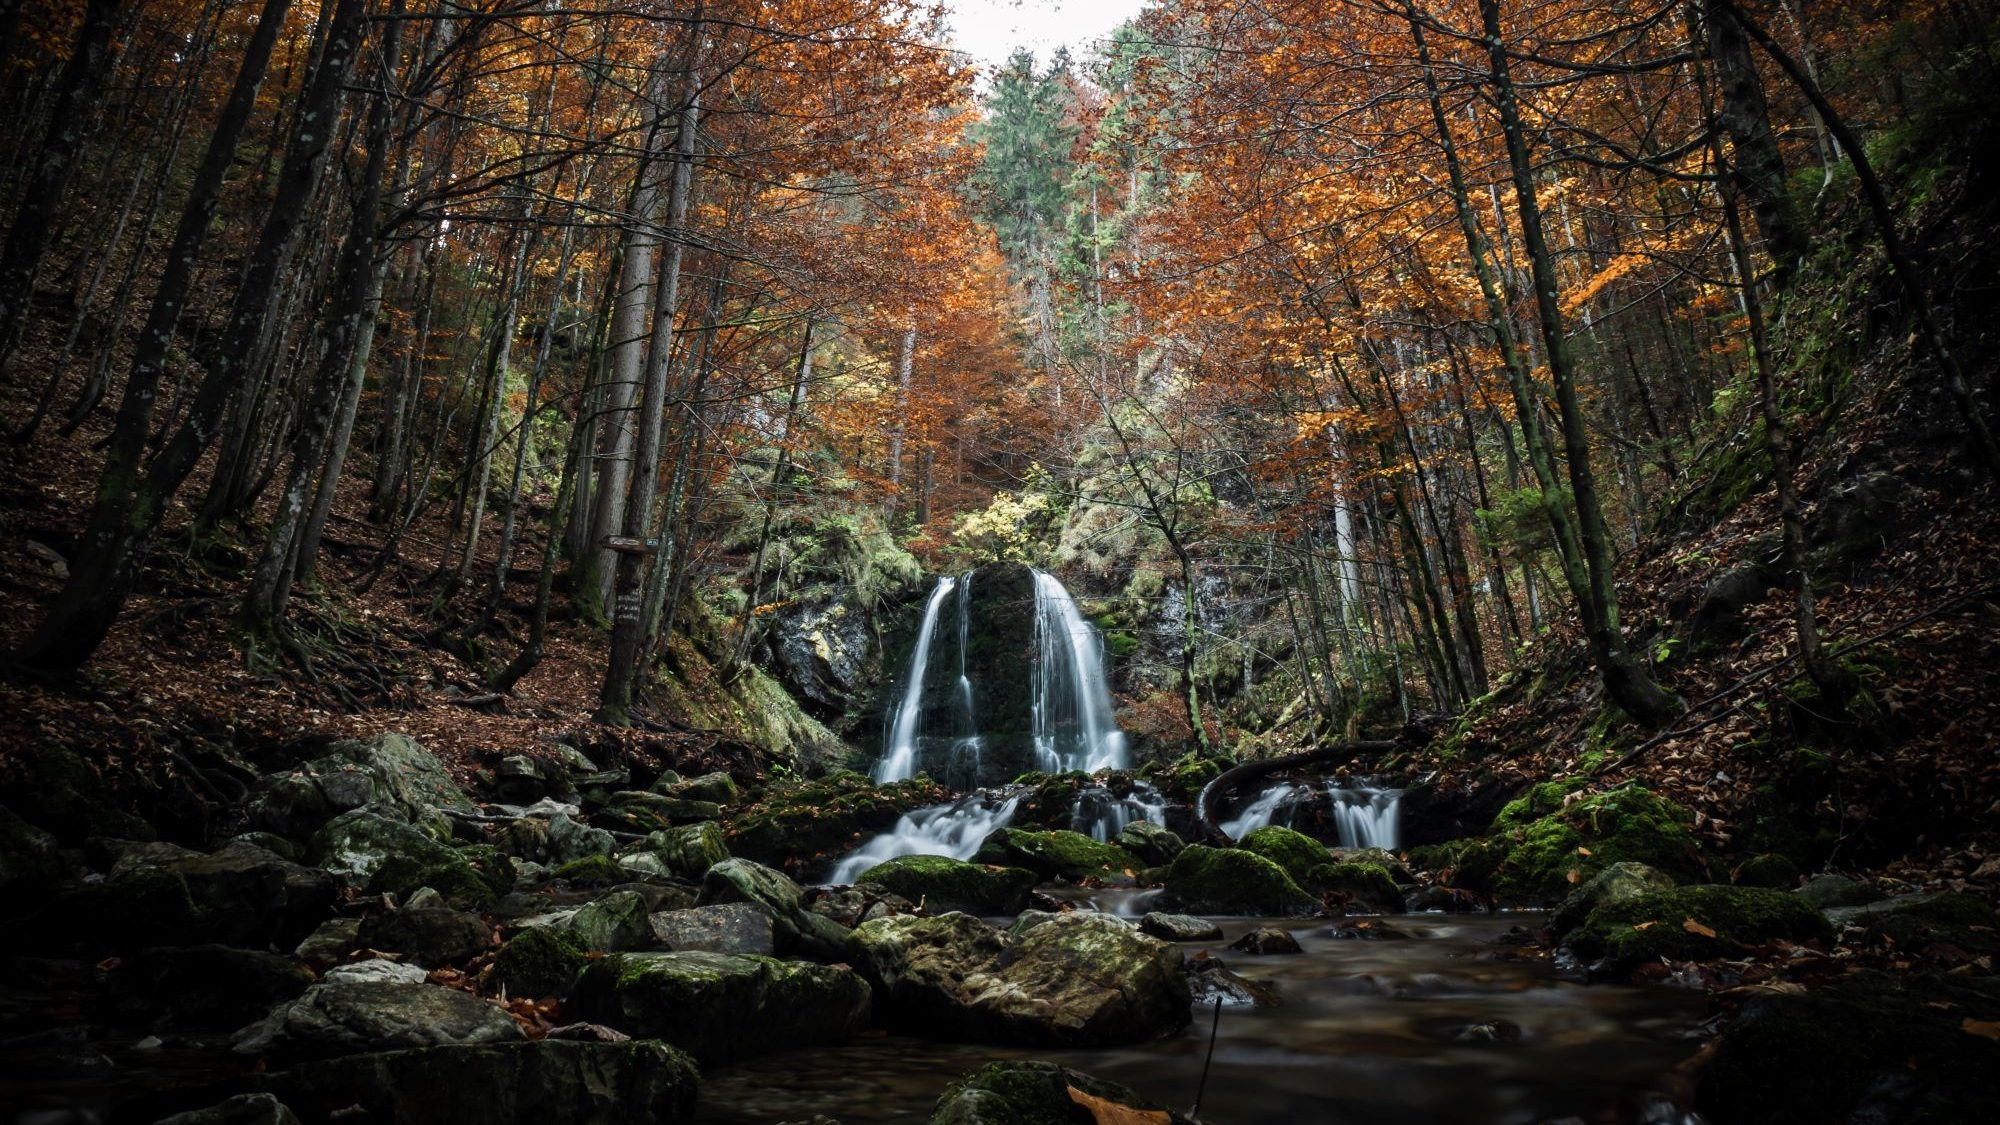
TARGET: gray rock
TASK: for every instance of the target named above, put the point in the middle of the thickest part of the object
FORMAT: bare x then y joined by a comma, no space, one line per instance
389,772
548,1082
862,902
1827,892
1210,979
1179,927
348,1017
1151,842
718,788
379,971
732,927
429,937
569,841
613,924
331,942
821,649
795,928
1267,940
680,853
720,1007
243,1109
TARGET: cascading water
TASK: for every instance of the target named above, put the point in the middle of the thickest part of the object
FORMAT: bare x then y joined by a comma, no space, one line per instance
899,753
1073,727
1101,815
1366,818
954,830
1259,812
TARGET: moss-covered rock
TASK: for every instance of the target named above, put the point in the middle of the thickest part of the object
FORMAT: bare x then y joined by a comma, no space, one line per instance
1369,884
1870,1047
1537,802
1548,856
1182,779
1692,923
542,961
800,828
1038,1093
591,871
1954,926
1767,870
943,884
1296,852
1154,844
1205,880
1059,854
716,788
1471,864
719,1006
795,928
682,853
1616,883
1078,979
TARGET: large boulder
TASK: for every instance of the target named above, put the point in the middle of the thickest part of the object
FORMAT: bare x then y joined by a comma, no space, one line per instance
542,961
365,849
613,924
389,772
719,1007
1044,1093
1296,852
431,937
1205,880
1617,883
730,927
1691,923
338,1017
802,827
246,895
548,1081
1153,844
681,853
1061,854
942,884
1888,1050
1076,980
1368,885
795,928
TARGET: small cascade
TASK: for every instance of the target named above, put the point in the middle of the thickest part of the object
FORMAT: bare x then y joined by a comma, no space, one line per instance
1073,724
963,765
1366,818
1264,809
899,754
1101,815
954,830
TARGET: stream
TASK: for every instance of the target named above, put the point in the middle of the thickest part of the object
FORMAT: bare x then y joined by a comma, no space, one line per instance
1443,1028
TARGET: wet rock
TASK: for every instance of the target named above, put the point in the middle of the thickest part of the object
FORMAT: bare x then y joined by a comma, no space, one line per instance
378,971
1366,884
347,1017
1825,892
681,853
941,884
1014,1093
720,1007
1380,857
389,772
1210,979
1363,929
1179,927
863,902
1887,1050
1153,844
1691,923
1448,900
431,938
544,961
549,1082
1080,979
613,924
1059,854
1296,852
1205,880
1490,1031
802,827
1267,940
243,1109
795,929
1616,883
203,986
732,927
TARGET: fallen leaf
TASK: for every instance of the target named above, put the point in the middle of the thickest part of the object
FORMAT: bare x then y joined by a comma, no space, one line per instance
1986,1029
1694,927
1645,925
1582,850
1106,1112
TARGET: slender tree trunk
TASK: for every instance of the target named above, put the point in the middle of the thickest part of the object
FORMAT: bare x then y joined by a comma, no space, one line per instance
905,362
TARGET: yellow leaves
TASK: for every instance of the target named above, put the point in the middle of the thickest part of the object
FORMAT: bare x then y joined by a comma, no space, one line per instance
1106,1112
1696,928
1985,1029
1619,266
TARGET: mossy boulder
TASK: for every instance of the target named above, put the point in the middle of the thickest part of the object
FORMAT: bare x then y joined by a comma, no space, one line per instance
682,853
719,1006
1078,979
803,827
1828,892
942,884
389,773
616,923
1692,923
1060,854
1296,852
1368,884
1205,880
386,856
795,928
1153,844
1032,1092
636,810
1182,779
1766,870
591,871
344,1017
1894,1050
1472,863
1619,882
1953,927
716,788
1538,801
541,961
1550,855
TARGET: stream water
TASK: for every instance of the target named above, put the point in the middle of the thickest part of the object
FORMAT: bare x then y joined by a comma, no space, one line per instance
1445,1027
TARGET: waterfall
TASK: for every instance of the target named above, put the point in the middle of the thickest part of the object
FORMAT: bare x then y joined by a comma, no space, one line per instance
1260,811
1366,818
899,756
1099,814
965,740
955,830
1073,727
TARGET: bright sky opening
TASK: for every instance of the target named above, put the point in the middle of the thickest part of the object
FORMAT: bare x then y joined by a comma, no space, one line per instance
990,30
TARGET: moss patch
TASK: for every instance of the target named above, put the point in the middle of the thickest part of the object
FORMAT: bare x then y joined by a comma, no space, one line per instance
1695,923
1059,854
943,884
1205,880
1296,852
544,961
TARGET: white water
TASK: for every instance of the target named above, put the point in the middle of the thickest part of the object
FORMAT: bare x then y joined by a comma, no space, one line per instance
1073,725
1366,818
1100,815
1259,812
899,757
955,830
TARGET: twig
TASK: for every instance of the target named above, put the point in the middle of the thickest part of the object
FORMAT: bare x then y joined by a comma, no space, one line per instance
1202,1087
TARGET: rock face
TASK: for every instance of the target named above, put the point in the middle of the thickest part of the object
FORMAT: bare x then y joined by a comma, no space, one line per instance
1075,980
821,649
1690,923
348,1017
795,928
720,1007
1205,880
1013,1093
944,884
549,1082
